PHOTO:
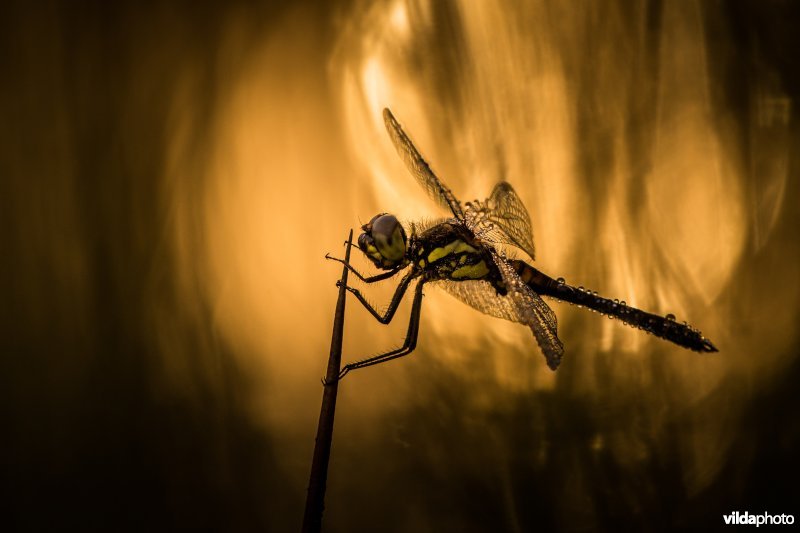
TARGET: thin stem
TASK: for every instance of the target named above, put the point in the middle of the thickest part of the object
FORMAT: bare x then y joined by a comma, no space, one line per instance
315,498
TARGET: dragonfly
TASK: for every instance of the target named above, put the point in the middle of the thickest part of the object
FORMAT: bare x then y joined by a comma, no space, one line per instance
465,255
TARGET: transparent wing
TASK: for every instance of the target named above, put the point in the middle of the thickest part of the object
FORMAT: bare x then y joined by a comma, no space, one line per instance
502,218
520,305
417,165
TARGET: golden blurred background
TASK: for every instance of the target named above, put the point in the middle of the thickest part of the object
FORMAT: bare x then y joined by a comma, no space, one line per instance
173,176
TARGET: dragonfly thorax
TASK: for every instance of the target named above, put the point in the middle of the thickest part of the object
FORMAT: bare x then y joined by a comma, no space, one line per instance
383,241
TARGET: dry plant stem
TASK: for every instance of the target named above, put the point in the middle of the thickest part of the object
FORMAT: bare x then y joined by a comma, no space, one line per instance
315,498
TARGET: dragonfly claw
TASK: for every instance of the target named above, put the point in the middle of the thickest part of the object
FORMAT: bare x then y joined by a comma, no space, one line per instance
335,380
331,258
339,284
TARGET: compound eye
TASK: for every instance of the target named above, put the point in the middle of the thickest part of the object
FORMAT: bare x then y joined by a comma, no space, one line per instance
389,236
368,226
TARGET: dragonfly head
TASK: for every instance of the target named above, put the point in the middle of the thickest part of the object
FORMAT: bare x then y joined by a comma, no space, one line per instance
383,241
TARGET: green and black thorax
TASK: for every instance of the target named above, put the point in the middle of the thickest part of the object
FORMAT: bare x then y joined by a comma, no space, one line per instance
450,251
445,251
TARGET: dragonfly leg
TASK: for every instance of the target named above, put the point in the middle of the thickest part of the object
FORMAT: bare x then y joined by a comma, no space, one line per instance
408,345
387,316
366,279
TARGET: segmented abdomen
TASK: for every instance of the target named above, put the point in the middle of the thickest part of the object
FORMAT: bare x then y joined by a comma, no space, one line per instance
661,326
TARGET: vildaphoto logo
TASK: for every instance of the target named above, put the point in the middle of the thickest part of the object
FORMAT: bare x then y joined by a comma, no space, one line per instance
764,519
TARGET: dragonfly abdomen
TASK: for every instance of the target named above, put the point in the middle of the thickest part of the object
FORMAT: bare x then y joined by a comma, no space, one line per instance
664,327
540,282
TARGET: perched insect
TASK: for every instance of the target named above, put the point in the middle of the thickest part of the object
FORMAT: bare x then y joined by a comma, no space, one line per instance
461,255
